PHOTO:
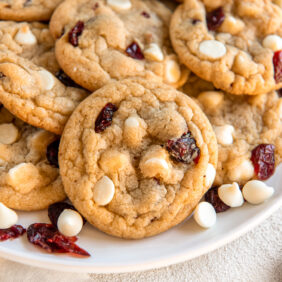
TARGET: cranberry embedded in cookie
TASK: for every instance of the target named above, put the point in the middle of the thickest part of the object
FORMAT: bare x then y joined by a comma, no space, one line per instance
145,164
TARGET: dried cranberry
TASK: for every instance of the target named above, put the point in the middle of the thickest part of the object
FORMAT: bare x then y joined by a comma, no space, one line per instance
212,197
13,232
134,51
96,6
105,117
263,159
75,32
277,62
56,209
52,153
215,18
47,237
66,80
280,92
145,15
183,149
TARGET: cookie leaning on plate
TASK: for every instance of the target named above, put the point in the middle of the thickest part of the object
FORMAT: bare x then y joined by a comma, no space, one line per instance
104,40
35,95
29,174
234,44
136,157
27,10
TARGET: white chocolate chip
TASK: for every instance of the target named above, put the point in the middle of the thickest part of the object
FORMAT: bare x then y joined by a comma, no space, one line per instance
47,79
242,171
25,37
154,53
132,121
256,192
213,49
70,222
273,42
120,4
205,215
232,25
7,217
172,71
23,177
210,175
103,191
8,133
211,99
224,134
231,195
157,164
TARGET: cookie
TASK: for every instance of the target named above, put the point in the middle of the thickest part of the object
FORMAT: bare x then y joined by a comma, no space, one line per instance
102,41
236,44
241,123
27,10
35,95
136,157
29,174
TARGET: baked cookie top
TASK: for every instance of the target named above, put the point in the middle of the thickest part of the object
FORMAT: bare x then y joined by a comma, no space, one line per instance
35,95
29,174
234,44
102,41
136,157
241,123
27,10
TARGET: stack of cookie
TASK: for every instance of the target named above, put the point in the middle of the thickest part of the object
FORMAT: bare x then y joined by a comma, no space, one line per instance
134,108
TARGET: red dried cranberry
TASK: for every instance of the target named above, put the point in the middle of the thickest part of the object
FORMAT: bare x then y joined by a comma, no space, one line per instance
277,62
263,159
13,232
52,153
47,237
215,18
105,117
183,149
280,92
56,209
66,80
75,32
134,51
212,197
145,15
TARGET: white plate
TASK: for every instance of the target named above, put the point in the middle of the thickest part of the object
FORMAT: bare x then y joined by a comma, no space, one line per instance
109,254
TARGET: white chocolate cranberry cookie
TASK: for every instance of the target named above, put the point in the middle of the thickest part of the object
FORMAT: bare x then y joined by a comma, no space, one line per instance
236,45
29,174
35,95
27,10
241,124
136,157
112,39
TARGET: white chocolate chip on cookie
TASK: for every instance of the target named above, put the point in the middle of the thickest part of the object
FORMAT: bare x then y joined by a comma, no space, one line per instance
256,192
47,80
213,49
8,133
120,4
211,99
273,42
154,53
224,134
172,71
205,215
23,177
240,171
25,37
231,195
232,25
7,217
210,175
104,191
70,222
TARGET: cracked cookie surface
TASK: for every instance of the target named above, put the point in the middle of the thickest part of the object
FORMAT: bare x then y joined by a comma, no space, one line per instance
241,123
27,10
104,41
28,181
234,44
34,94
153,158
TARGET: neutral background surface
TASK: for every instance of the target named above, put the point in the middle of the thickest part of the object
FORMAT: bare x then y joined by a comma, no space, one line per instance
256,256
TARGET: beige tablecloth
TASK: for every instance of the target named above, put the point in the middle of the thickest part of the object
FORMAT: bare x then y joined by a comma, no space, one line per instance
256,256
